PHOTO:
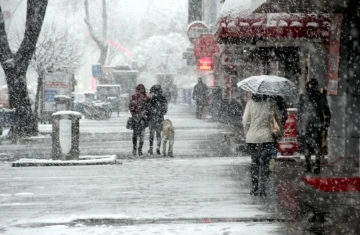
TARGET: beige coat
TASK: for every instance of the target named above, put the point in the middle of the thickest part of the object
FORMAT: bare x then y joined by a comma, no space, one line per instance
256,122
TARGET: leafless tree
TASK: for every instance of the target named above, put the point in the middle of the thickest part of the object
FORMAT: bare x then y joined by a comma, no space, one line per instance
56,50
99,40
15,66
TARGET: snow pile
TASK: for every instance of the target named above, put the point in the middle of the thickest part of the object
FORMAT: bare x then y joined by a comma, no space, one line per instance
236,8
67,112
90,160
169,229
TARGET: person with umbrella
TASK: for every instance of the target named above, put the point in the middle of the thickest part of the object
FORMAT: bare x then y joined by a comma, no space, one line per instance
313,119
261,111
260,141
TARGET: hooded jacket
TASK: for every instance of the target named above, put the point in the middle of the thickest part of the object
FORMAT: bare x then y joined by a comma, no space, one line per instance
138,103
313,110
157,107
256,118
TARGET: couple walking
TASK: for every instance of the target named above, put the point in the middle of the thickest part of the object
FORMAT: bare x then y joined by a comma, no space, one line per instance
313,121
147,112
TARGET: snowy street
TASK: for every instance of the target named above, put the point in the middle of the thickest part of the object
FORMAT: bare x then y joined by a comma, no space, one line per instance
194,138
203,190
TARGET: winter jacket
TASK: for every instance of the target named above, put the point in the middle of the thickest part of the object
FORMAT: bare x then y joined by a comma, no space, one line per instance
200,93
313,111
256,120
138,104
157,108
313,114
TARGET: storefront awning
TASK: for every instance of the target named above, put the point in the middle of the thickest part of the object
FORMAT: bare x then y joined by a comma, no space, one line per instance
300,6
273,25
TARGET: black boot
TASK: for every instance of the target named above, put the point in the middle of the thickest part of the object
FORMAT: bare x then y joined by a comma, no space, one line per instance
150,151
134,146
158,151
140,148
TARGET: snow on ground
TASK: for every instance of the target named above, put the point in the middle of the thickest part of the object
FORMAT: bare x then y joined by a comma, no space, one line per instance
200,191
168,229
139,189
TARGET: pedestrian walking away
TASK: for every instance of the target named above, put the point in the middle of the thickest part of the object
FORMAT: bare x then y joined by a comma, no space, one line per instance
313,119
260,142
157,109
138,107
200,97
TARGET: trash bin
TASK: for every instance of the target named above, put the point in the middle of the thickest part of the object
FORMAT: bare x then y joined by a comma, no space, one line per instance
288,145
65,135
62,102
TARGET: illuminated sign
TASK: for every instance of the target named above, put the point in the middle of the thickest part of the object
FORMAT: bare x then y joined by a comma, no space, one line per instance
205,64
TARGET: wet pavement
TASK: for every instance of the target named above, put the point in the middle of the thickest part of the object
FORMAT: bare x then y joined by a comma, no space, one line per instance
203,190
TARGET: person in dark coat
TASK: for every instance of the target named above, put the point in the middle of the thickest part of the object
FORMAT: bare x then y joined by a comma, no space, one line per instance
157,110
139,111
200,96
313,118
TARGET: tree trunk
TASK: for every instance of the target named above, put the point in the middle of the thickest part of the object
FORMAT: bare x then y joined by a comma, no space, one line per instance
24,122
103,55
37,97
16,65
100,41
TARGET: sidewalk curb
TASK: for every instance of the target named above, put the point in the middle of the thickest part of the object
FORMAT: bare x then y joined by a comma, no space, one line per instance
96,160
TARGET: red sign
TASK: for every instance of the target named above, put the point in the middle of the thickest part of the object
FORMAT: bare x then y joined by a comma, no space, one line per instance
195,29
205,64
206,46
288,143
333,56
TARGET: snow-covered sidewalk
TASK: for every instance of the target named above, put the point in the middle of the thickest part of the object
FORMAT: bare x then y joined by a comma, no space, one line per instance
205,192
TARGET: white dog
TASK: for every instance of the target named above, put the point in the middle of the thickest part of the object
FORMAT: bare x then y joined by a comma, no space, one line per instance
168,134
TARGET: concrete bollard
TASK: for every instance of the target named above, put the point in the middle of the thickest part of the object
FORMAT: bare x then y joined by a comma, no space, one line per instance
65,135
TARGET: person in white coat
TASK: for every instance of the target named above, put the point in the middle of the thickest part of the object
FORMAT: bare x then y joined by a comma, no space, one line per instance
260,142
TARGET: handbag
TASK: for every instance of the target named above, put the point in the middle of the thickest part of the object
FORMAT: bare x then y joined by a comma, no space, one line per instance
130,123
276,128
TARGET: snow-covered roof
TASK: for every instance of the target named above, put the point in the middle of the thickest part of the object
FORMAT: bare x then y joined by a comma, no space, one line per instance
236,8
